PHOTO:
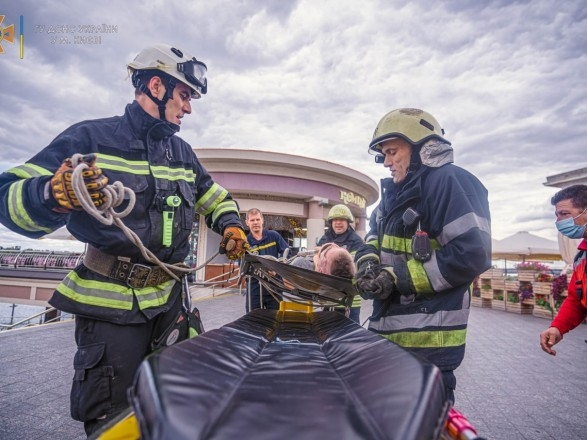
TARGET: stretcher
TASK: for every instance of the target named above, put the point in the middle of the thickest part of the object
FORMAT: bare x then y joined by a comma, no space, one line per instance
297,372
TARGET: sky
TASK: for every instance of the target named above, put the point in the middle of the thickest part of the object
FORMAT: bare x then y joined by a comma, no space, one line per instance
505,79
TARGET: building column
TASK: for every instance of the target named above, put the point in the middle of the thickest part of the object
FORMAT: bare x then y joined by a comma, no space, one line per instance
361,226
315,221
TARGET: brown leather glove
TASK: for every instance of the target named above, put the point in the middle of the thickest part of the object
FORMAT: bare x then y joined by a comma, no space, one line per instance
234,243
62,188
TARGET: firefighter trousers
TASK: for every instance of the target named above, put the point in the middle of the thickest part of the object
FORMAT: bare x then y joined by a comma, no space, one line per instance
107,358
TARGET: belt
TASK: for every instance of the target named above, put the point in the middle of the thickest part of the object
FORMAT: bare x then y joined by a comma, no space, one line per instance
135,275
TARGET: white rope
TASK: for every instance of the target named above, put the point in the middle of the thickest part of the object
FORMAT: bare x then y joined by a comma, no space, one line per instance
115,194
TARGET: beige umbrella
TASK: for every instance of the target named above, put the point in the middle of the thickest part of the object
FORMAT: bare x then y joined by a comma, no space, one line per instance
525,246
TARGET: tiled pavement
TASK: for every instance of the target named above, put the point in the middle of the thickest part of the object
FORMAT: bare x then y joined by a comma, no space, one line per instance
507,387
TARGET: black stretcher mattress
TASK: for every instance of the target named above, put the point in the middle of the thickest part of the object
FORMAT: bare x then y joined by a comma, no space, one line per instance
288,375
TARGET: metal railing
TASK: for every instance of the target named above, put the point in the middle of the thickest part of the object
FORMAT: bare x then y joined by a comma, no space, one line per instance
26,322
39,259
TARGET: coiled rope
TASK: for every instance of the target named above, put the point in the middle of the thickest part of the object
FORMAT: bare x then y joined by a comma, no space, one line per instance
106,214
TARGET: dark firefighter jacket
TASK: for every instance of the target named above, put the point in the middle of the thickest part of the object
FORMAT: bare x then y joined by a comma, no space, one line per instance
429,313
142,153
349,240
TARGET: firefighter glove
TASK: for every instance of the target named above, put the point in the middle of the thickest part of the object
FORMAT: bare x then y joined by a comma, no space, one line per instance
375,281
62,188
234,242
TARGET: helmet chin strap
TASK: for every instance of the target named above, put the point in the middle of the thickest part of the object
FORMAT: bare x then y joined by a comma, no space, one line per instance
169,84
161,103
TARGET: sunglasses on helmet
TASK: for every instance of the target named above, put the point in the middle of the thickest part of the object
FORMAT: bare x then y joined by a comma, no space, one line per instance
195,73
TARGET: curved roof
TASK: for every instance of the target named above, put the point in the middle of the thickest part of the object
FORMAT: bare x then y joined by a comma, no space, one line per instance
268,163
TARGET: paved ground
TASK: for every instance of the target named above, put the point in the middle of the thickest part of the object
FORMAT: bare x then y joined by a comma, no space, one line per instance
507,387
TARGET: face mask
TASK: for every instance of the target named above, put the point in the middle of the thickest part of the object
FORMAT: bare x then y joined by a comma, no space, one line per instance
568,228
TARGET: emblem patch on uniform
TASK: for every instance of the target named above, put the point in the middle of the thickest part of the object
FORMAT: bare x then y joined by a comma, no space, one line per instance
172,338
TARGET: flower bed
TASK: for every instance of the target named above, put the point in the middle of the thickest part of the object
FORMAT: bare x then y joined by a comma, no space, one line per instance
528,275
531,270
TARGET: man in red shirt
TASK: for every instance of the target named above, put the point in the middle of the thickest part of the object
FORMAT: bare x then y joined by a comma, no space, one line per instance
571,214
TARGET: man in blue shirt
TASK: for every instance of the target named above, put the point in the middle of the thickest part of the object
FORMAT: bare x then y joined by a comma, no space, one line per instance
262,242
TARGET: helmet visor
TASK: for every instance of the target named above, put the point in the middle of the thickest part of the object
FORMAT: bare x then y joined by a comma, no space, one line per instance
195,73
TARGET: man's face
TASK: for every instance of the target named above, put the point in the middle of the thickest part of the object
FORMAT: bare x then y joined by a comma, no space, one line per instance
340,225
565,209
177,107
397,154
255,223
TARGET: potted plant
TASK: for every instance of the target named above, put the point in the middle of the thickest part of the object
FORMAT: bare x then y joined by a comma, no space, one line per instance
559,290
526,294
529,270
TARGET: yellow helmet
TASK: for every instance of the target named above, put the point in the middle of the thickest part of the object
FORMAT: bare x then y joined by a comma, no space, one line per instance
340,211
411,124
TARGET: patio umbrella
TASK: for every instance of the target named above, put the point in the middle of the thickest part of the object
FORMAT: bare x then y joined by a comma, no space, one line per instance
524,245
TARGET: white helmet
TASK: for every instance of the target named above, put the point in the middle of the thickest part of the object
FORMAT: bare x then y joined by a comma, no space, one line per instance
175,63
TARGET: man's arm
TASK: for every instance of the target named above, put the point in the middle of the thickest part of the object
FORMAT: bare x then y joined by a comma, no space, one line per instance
214,202
26,200
571,313
458,212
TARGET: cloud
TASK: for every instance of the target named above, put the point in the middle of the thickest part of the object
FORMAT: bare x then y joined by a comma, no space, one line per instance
504,78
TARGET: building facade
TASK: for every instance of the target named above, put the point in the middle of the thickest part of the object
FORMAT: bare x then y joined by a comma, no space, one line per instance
294,193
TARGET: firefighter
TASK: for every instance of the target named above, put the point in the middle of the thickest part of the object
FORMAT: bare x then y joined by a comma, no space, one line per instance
342,233
428,238
125,307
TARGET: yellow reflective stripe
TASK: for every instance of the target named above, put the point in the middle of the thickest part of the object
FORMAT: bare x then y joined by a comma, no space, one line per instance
115,296
208,202
17,211
429,339
356,301
96,293
419,277
404,245
167,173
114,163
28,170
154,296
264,246
374,243
394,243
223,208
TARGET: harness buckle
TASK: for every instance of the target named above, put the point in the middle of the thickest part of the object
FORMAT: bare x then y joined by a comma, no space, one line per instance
139,276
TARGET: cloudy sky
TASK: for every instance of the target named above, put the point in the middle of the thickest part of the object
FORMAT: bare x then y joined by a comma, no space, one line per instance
506,79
